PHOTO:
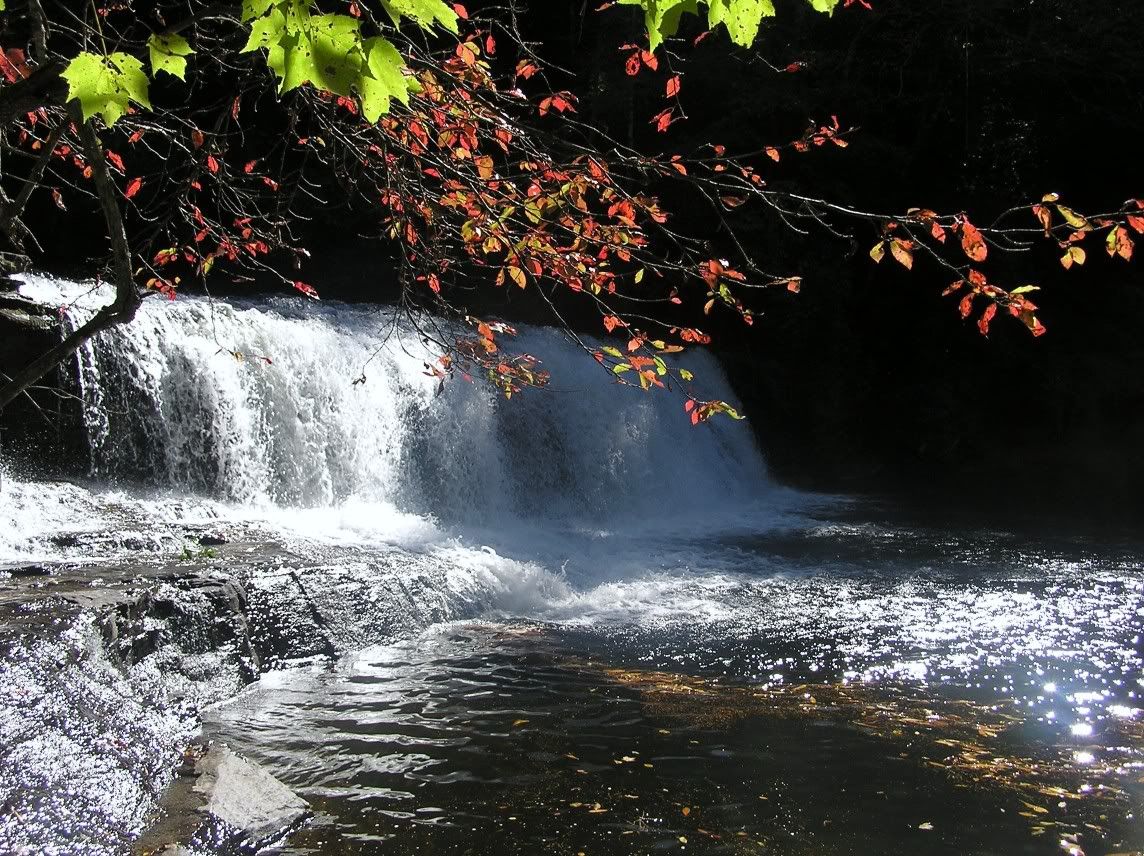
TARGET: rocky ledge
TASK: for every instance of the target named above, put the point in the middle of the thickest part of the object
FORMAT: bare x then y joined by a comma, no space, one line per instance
103,671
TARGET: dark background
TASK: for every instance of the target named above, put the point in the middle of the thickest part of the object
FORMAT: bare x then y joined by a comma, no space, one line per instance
868,380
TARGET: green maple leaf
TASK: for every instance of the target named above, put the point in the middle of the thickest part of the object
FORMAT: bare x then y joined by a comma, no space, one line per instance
383,81
328,50
425,13
169,53
104,85
741,17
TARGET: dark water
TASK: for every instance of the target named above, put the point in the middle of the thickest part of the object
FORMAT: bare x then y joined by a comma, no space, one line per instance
837,687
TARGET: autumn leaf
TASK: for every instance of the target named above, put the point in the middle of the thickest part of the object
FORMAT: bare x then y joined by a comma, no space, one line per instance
1074,255
902,252
1119,243
133,187
986,317
972,242
1073,219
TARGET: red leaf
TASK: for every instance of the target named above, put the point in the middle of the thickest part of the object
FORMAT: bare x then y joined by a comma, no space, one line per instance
986,317
461,11
133,187
307,290
972,242
632,66
212,164
249,168
673,86
197,138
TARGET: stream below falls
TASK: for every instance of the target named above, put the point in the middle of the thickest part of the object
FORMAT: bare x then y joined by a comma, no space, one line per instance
567,623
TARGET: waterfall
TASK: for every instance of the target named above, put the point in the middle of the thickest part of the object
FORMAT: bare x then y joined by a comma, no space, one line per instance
168,405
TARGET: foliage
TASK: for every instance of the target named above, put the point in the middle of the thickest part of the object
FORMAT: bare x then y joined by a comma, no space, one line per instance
105,85
742,18
472,161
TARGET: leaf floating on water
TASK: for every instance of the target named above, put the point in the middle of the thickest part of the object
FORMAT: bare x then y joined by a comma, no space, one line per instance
927,826
519,722
686,810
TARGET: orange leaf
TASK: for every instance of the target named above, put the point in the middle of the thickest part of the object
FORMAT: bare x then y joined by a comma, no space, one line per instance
972,242
986,317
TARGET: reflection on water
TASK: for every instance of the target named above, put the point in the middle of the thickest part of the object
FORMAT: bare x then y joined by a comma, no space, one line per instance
831,690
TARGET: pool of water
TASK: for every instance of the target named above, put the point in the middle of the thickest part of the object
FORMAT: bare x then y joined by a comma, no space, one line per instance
835,686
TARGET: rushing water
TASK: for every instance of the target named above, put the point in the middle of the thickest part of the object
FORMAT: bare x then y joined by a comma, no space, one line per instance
572,622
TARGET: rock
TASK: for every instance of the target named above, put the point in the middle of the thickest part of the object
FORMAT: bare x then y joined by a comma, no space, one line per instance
246,798
222,800
23,571
212,540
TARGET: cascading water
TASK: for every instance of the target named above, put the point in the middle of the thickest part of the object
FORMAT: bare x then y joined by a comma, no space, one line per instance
286,424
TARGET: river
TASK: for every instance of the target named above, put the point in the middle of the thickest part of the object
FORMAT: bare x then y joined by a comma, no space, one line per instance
572,622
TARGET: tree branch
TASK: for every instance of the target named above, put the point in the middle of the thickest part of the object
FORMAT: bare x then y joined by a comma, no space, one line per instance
127,298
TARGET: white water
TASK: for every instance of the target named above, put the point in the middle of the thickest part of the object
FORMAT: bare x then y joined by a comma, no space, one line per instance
587,481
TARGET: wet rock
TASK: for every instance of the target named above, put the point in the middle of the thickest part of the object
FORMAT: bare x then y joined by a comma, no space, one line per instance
222,802
247,798
25,571
212,540
102,674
